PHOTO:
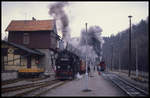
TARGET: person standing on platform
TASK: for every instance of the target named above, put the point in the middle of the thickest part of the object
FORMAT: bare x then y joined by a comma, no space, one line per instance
99,68
89,70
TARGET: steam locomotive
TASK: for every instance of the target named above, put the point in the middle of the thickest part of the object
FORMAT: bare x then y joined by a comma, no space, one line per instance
67,65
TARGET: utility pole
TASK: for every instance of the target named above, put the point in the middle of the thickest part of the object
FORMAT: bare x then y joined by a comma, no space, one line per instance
119,53
112,58
86,74
136,59
129,46
119,62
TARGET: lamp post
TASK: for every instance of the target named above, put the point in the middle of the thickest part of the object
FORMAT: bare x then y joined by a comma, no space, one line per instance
86,74
129,46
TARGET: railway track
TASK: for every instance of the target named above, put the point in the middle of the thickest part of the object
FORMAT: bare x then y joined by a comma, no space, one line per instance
45,89
36,79
37,91
34,89
6,82
29,83
127,87
23,86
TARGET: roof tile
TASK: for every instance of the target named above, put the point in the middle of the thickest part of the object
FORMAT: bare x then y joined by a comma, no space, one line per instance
30,25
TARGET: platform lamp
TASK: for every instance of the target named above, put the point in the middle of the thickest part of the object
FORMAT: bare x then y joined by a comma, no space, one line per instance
86,74
129,67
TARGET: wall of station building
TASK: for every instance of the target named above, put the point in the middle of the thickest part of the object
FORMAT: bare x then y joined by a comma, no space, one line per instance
9,75
10,68
12,61
47,61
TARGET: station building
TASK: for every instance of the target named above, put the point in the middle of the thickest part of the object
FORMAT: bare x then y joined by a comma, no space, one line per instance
31,44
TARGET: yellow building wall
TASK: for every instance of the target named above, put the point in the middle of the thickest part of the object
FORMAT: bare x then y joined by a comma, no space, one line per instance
15,65
34,67
17,61
33,62
10,57
5,60
23,62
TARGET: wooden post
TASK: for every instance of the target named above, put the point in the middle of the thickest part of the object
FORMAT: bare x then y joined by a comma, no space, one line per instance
29,61
137,60
20,60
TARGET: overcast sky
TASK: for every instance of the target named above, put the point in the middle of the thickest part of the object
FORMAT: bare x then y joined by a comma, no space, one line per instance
112,17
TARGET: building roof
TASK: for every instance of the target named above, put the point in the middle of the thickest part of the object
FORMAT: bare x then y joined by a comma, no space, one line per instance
24,48
31,25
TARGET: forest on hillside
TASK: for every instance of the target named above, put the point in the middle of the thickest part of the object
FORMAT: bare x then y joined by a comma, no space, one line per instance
116,48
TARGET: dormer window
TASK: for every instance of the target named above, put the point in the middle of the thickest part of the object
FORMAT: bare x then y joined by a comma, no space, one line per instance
26,38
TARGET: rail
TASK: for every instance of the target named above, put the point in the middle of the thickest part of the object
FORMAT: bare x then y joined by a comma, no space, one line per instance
29,89
127,87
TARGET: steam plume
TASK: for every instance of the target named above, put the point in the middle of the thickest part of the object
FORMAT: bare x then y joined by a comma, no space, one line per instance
57,11
92,38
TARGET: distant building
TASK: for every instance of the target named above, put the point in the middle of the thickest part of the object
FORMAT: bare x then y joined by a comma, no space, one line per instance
40,35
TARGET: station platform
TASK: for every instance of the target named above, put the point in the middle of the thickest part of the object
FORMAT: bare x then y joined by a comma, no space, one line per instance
97,84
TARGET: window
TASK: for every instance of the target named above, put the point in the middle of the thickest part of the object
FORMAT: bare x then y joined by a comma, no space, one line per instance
26,38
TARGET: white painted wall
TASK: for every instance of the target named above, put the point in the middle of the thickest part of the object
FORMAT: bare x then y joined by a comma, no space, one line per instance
46,62
8,75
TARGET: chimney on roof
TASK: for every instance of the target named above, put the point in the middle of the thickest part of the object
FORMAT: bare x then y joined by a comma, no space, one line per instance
33,18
